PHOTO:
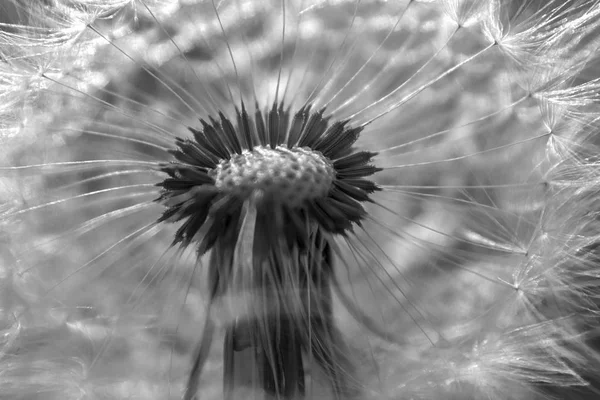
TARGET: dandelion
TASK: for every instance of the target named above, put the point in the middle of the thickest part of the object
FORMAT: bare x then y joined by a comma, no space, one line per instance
299,199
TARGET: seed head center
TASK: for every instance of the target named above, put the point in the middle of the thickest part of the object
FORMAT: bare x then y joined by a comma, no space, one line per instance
289,175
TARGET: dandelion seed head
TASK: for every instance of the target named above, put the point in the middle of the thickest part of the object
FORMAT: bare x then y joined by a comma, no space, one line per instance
371,196
303,166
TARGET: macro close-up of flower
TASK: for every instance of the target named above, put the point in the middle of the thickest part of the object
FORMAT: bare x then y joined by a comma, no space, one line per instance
299,199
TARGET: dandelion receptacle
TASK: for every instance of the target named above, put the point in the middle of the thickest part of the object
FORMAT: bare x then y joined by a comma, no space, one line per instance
299,199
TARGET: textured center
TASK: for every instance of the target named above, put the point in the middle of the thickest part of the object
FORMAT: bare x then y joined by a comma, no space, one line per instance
290,175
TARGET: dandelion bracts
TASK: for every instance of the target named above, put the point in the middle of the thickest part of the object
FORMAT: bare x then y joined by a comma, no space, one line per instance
299,199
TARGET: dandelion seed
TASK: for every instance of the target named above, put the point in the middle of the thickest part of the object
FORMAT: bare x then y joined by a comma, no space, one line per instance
299,199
